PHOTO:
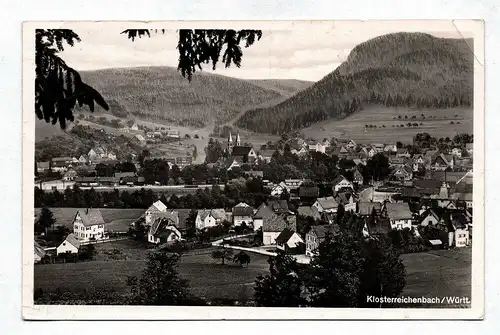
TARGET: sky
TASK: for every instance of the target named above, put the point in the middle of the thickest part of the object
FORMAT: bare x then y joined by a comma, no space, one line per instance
304,52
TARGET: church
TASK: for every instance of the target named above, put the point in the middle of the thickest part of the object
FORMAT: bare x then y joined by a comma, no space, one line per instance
242,154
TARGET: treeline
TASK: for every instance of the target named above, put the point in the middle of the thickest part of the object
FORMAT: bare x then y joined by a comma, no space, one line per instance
250,191
396,77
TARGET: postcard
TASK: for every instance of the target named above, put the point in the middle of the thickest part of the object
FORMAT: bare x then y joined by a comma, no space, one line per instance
259,170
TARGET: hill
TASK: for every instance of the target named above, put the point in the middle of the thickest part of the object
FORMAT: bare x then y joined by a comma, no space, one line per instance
402,69
285,87
162,93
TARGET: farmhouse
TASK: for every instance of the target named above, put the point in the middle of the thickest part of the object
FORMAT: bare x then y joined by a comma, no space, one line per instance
151,213
70,245
340,183
164,229
317,234
399,215
288,239
243,213
88,225
326,205
209,218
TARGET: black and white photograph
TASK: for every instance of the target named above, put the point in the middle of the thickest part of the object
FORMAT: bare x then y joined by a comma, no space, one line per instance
259,170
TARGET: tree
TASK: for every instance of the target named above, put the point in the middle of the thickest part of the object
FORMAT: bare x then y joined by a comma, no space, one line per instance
58,87
45,221
160,283
222,253
283,286
333,277
377,167
242,258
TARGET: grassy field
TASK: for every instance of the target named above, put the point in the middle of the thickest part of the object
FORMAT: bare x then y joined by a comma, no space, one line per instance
429,274
436,123
116,219
206,278
438,273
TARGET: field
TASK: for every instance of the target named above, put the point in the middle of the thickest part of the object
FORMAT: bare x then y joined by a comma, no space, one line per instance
436,123
206,277
435,273
116,219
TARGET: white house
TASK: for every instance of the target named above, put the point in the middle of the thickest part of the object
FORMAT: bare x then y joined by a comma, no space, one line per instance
88,225
341,182
317,146
69,245
209,218
399,215
243,213
164,229
153,210
288,239
458,234
134,127
326,205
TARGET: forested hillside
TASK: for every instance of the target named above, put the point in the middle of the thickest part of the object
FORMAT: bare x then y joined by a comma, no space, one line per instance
401,69
160,93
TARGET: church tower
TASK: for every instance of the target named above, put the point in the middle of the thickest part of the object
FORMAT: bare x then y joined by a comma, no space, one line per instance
230,143
238,140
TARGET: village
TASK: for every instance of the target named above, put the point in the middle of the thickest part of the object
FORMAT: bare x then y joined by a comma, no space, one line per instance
425,195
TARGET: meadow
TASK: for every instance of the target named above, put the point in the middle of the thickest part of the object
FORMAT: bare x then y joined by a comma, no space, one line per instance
116,219
429,274
436,122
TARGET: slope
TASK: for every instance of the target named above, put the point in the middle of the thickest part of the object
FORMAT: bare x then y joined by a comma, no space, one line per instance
401,69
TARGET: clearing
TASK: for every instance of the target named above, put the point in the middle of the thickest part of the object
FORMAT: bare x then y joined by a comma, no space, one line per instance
436,123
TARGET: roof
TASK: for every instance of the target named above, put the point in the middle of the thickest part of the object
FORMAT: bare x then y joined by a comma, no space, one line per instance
278,206
218,214
159,206
308,191
380,226
241,151
321,231
124,174
71,239
267,153
309,211
284,236
343,197
453,177
338,179
90,216
39,250
140,138
167,219
242,211
398,211
276,223
327,202
366,208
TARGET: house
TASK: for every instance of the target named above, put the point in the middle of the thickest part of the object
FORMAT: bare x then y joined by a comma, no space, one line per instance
134,127
83,159
317,234
183,161
376,227
457,152
88,225
340,183
418,163
61,164
205,219
343,150
395,161
309,211
173,133
70,175
293,184
288,239
243,213
308,192
442,162
209,218
272,226
379,147
326,205
363,153
399,214
151,213
273,207
390,148
299,152
351,145
138,140
246,154
366,208
126,177
164,229
469,148
357,177
372,152
316,146
266,155
347,200
42,167
402,173
279,189
70,245
39,252
403,152
458,230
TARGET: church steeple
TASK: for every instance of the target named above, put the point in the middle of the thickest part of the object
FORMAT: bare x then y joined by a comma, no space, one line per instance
238,140
230,143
